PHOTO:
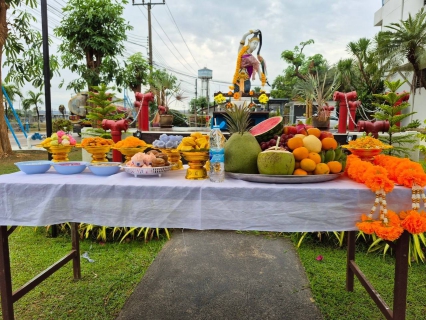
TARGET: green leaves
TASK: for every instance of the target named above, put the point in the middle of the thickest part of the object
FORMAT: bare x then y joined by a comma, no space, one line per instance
93,33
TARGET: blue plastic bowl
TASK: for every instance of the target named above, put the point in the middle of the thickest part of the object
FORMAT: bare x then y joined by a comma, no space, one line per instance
70,167
32,167
104,168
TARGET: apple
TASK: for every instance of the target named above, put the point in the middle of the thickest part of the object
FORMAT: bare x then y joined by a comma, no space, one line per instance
302,131
290,130
325,134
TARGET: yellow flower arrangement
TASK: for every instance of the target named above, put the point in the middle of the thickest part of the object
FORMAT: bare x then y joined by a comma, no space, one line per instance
96,142
366,142
130,142
263,98
219,99
238,67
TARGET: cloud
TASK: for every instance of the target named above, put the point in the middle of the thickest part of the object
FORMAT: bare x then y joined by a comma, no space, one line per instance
212,31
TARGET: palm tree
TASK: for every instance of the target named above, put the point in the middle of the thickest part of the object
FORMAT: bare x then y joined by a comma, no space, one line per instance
346,74
33,100
406,41
12,91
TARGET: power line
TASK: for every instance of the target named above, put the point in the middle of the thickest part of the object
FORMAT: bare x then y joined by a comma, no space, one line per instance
182,36
173,43
166,44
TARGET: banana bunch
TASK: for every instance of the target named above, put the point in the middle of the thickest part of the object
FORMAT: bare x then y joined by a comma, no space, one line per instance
334,155
46,142
196,141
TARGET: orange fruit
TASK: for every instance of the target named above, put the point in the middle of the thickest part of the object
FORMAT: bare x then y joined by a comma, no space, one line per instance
329,143
300,153
300,172
297,165
314,131
335,166
314,156
294,143
308,165
322,168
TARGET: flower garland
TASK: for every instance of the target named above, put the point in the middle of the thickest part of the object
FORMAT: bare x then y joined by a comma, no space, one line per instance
263,79
380,177
238,67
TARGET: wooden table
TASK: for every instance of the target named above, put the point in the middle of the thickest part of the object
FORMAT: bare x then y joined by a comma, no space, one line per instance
171,201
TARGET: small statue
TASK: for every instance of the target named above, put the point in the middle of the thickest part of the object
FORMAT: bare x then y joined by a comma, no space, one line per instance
247,64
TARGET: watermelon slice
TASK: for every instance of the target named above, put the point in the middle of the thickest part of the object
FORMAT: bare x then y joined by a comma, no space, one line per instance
265,130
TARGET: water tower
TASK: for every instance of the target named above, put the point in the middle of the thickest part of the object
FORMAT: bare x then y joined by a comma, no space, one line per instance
205,75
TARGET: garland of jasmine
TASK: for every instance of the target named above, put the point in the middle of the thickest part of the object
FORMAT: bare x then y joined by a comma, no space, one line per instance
380,177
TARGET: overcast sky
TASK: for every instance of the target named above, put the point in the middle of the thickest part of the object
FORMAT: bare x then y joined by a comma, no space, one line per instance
189,35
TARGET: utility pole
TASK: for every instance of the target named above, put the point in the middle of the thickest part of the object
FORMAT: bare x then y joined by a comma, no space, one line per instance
149,5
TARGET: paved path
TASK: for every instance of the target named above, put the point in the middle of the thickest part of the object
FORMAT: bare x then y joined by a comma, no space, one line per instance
223,275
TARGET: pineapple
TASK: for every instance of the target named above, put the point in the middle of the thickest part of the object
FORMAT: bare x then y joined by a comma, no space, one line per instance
242,148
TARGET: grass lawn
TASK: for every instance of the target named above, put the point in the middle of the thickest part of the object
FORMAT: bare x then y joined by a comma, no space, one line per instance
109,281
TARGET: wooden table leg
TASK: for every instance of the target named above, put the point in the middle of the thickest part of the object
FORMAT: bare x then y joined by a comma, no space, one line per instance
5,276
401,276
75,246
350,257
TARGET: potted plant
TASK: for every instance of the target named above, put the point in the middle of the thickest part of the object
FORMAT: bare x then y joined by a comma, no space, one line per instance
319,89
166,91
323,91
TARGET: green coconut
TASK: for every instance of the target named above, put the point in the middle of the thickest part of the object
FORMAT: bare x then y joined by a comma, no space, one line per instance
241,151
276,161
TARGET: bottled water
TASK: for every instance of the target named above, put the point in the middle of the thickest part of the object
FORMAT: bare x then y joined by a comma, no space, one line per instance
217,155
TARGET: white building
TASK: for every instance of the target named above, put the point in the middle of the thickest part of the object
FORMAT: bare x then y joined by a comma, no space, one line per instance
395,11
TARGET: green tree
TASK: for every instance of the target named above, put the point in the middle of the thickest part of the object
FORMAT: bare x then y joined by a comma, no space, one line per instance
298,70
363,72
391,111
406,41
34,100
93,34
283,85
136,73
101,105
198,104
21,45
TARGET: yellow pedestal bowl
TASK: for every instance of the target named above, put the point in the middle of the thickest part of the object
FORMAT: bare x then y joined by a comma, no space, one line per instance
174,158
59,153
366,154
196,162
98,153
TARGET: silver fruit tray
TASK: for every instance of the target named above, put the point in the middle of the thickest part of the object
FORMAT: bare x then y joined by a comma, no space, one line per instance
266,178
148,171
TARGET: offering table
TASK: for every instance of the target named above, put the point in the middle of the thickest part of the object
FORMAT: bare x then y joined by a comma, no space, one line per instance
171,201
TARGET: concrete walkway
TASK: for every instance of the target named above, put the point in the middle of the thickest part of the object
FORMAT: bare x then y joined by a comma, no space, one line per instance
223,275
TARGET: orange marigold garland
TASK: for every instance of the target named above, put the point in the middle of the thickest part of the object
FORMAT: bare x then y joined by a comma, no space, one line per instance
380,178
237,68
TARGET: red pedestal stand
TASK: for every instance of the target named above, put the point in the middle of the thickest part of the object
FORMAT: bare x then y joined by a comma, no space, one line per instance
343,99
116,126
142,101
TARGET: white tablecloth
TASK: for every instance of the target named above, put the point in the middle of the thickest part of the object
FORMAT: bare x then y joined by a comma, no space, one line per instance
171,201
